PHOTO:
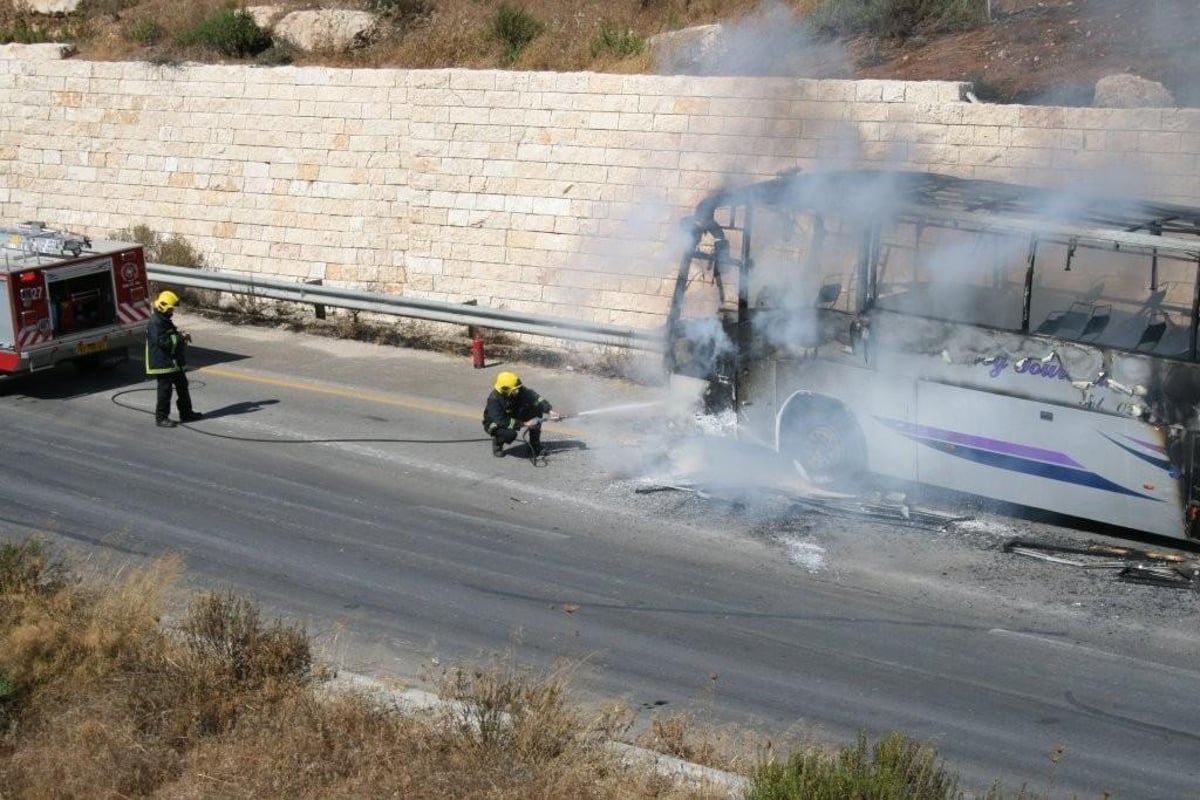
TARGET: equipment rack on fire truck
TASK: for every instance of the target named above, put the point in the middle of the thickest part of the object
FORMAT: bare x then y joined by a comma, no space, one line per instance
64,297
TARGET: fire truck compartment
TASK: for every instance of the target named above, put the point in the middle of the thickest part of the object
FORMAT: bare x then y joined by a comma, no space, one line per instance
6,315
82,302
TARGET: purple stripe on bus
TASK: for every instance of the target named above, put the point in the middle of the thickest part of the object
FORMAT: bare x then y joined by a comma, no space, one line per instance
1158,448
983,443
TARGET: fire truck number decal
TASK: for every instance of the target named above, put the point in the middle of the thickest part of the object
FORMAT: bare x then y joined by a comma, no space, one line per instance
32,293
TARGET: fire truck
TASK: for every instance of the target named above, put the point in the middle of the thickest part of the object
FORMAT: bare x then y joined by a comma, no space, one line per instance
66,298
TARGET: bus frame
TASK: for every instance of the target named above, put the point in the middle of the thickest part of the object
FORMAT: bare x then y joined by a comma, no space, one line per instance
978,363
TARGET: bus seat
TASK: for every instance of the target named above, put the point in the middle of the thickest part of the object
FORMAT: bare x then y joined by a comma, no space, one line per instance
1153,333
1051,323
1097,322
829,293
1067,323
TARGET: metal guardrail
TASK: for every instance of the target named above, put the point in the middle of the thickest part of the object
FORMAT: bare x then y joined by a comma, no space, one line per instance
396,305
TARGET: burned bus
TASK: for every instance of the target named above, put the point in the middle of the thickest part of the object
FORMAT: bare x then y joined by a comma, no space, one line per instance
1029,345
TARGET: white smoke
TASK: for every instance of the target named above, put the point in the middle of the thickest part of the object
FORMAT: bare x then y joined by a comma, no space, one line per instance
771,41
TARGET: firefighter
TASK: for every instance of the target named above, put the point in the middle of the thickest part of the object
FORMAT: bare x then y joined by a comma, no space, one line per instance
512,408
166,357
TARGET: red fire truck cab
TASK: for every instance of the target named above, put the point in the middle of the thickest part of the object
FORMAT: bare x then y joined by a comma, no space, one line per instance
64,297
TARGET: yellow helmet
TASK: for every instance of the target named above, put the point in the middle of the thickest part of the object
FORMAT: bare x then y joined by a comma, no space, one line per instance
507,383
166,301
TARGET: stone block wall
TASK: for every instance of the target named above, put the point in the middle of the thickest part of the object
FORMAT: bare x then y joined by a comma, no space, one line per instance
548,192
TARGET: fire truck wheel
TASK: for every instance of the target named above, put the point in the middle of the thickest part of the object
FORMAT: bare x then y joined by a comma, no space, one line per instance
825,439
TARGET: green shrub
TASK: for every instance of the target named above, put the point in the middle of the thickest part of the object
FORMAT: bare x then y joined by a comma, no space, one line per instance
898,18
515,28
279,54
22,32
894,769
8,694
144,31
616,40
229,32
173,250
176,251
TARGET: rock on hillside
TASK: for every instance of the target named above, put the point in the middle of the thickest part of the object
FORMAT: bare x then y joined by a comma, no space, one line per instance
324,30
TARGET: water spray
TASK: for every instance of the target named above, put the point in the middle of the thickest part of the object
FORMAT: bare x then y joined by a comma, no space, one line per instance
613,409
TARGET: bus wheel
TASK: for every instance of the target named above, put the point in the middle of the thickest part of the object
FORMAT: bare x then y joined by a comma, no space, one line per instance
824,438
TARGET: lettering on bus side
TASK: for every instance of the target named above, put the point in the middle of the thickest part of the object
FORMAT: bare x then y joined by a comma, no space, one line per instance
1026,366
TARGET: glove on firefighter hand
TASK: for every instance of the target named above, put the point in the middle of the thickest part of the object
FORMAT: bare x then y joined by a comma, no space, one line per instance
187,337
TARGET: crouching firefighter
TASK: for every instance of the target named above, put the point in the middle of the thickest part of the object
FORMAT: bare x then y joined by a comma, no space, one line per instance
512,408
166,357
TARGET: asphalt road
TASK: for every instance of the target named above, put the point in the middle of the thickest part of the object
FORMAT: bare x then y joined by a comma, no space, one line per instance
349,487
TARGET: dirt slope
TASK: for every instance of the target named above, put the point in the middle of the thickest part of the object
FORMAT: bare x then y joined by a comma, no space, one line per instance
1033,51
1054,51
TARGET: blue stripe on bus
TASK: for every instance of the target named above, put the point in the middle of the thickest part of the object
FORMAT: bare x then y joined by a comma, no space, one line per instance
1038,469
1014,463
1161,463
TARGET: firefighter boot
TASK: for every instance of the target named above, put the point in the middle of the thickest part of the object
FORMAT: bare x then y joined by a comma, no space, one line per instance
190,416
166,423
497,448
535,441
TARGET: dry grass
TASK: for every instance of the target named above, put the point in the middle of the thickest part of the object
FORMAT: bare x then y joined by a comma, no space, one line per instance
452,33
101,700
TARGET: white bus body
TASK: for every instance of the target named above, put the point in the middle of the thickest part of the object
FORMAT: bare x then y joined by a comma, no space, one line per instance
1029,346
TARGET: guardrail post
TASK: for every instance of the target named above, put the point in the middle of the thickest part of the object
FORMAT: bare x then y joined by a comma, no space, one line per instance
318,308
474,333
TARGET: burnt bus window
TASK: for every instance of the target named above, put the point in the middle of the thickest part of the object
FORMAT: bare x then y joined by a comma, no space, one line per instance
795,254
951,273
1131,298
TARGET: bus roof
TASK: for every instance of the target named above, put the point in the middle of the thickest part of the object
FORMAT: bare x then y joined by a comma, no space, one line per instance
983,204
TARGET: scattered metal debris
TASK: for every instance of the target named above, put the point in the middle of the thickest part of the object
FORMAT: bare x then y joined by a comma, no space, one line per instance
1148,567
891,508
667,487
896,512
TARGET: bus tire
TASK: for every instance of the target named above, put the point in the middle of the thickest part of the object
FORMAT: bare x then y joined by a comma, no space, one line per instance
825,439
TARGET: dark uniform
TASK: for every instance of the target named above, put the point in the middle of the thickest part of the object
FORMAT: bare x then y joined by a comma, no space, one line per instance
506,414
166,357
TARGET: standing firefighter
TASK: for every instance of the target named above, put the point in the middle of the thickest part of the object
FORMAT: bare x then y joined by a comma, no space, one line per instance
166,357
511,408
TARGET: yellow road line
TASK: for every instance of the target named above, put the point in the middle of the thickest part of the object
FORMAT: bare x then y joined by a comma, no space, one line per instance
370,397
337,391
